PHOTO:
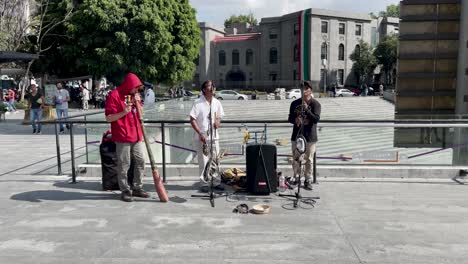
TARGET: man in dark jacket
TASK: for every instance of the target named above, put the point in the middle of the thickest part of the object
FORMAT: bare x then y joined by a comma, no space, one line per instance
304,114
127,135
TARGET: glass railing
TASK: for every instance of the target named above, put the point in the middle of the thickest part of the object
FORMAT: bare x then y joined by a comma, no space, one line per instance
344,139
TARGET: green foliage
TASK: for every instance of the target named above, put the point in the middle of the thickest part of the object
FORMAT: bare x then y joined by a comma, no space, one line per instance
21,104
156,39
364,61
240,19
391,11
48,37
386,54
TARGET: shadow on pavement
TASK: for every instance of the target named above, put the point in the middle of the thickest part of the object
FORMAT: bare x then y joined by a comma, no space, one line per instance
80,185
53,195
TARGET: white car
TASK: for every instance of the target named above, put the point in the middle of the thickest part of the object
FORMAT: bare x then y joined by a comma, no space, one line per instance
230,95
344,92
293,94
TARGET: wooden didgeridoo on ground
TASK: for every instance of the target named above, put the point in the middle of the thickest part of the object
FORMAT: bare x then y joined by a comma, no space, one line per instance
158,184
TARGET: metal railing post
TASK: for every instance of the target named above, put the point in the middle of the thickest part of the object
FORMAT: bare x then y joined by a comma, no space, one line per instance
86,140
57,143
72,151
163,139
315,168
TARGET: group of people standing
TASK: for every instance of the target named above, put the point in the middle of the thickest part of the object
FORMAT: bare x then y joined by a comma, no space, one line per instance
9,97
205,118
36,104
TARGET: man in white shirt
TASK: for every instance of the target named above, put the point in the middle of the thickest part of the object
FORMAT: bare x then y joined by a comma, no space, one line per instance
85,96
149,96
200,121
61,98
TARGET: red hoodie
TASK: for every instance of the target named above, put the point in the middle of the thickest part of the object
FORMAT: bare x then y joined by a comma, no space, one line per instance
128,128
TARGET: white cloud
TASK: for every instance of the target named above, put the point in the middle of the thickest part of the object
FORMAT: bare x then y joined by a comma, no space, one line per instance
216,11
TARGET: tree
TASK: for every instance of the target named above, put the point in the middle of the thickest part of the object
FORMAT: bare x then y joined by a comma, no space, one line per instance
14,24
158,40
364,61
386,55
391,11
48,15
240,19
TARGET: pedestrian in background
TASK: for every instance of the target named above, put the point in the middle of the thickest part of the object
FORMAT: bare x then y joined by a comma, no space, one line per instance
35,106
61,98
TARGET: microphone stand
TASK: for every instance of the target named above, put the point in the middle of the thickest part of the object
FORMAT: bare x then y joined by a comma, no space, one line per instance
298,198
211,193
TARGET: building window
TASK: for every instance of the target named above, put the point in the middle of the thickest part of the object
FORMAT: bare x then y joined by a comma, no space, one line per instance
341,52
296,29
273,56
358,30
249,57
295,75
235,57
296,53
273,76
324,51
340,77
357,49
324,27
222,57
273,34
341,28
196,80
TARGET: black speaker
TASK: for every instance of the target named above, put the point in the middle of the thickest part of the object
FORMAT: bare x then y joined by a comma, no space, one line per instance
261,159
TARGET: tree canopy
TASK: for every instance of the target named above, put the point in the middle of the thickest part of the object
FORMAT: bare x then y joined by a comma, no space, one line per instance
156,39
364,61
391,11
386,54
240,19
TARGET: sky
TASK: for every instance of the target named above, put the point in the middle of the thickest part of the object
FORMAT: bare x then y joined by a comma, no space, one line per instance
216,11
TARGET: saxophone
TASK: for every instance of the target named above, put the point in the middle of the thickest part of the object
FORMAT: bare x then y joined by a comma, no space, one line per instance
211,170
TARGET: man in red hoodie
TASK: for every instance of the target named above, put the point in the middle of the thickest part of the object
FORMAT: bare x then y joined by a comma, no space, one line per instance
127,135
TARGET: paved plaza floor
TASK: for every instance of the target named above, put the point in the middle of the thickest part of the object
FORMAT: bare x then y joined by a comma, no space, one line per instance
45,219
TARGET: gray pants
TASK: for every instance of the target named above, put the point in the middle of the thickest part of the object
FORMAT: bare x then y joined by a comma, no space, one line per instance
308,159
125,153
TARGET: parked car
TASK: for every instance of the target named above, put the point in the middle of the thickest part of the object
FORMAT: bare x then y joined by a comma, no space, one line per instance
293,94
230,95
356,91
344,92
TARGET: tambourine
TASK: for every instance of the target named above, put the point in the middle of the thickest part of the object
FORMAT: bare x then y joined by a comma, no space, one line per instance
301,144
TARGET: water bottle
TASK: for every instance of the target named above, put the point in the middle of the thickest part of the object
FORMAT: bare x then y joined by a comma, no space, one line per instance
281,182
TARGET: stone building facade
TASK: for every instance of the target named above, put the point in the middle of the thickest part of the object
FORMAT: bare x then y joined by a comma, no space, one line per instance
267,56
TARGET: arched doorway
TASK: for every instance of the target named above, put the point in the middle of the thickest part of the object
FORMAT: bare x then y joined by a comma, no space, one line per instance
235,80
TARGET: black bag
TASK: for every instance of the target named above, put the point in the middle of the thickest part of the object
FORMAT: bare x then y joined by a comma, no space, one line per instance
109,167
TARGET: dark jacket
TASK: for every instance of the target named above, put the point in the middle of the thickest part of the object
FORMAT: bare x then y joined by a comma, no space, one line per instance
312,117
128,128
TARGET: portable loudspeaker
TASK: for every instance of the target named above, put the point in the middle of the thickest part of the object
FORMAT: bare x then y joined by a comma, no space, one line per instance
261,168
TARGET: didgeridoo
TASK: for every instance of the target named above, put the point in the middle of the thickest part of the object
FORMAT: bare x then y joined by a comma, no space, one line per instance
158,184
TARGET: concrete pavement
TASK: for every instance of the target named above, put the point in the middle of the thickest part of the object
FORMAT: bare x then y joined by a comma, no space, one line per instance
45,219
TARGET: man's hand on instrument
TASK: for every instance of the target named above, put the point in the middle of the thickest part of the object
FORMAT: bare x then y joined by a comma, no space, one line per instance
128,108
299,121
217,124
137,97
202,137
